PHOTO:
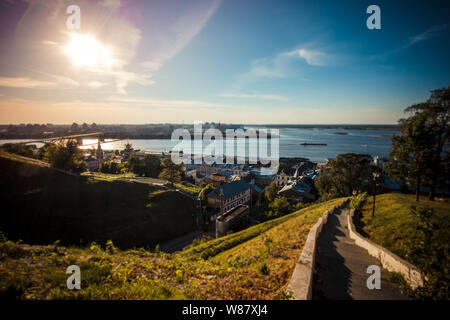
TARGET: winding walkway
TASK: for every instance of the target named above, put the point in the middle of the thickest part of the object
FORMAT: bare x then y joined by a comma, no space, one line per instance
340,272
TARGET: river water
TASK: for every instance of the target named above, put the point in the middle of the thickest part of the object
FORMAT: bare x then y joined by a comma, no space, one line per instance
373,142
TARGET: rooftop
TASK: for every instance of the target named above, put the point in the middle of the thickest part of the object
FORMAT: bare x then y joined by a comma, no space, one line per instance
233,213
230,189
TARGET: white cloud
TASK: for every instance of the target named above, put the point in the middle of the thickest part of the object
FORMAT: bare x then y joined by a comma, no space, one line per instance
165,103
180,34
430,33
255,96
96,84
280,65
312,57
29,83
433,32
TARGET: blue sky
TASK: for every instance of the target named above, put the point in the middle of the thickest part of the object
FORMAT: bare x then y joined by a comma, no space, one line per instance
247,61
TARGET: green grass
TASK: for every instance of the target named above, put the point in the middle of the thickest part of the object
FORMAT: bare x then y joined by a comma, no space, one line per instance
22,159
216,246
394,227
259,268
47,205
188,187
110,175
41,205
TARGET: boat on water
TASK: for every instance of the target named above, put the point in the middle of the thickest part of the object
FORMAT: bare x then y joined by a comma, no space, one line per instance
312,144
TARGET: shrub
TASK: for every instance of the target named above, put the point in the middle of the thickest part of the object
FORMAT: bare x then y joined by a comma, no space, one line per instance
110,247
264,269
357,202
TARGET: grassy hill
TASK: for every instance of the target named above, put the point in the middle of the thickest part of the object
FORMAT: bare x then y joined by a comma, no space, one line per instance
41,205
394,227
255,263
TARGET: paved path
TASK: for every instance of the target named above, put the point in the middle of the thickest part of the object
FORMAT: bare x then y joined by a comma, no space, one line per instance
341,266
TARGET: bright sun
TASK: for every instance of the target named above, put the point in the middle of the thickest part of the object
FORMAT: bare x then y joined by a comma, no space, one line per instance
85,50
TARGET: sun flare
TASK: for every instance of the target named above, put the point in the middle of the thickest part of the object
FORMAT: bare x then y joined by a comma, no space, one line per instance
86,50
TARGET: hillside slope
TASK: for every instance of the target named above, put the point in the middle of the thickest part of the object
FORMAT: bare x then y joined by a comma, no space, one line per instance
41,205
394,227
255,263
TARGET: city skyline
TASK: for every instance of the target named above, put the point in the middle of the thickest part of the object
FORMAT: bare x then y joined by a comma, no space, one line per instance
246,62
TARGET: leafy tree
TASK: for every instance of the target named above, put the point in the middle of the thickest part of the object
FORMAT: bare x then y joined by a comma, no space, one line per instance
171,171
344,174
436,110
135,165
430,256
64,154
271,192
204,192
417,156
151,166
111,167
20,149
278,207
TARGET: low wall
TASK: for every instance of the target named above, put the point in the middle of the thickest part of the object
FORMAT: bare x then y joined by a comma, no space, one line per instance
301,281
388,260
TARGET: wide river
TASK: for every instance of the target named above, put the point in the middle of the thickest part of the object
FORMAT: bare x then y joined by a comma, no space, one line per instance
373,142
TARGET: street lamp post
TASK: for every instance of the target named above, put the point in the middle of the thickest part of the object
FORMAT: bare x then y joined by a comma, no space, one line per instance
376,175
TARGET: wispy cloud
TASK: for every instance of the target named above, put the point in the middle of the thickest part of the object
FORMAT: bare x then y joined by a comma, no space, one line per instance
281,65
29,83
428,34
96,84
312,57
164,103
255,96
433,32
187,26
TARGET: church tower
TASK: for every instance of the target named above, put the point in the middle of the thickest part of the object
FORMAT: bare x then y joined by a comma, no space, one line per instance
99,153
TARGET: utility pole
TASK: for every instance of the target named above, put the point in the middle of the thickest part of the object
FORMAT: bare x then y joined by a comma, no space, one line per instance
376,175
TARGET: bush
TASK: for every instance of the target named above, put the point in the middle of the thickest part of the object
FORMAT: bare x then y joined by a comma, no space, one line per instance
430,256
20,149
111,167
264,269
357,201
110,247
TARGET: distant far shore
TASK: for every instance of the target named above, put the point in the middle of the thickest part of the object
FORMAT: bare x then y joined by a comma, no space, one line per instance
156,131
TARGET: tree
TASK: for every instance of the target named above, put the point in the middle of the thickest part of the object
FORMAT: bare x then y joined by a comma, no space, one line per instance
204,192
171,171
278,207
271,192
64,154
20,149
344,174
430,256
111,167
151,166
417,156
135,165
436,110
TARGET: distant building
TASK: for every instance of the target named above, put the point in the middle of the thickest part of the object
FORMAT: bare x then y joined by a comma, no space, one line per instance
292,174
230,195
297,192
92,163
99,153
234,220
127,152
